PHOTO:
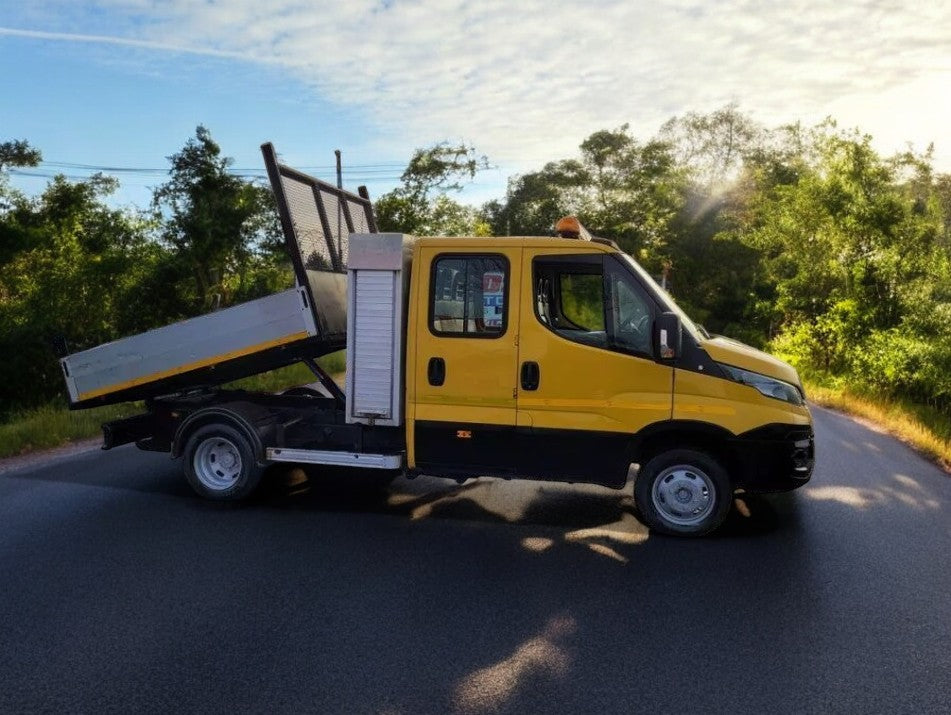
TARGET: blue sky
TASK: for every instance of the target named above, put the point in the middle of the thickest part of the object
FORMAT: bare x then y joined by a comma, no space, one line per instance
124,82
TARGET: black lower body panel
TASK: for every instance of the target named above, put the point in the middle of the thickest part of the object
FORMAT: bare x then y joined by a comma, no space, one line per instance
465,449
775,458
767,459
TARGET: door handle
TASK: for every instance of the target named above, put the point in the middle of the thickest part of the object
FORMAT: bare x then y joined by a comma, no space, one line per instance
436,371
531,375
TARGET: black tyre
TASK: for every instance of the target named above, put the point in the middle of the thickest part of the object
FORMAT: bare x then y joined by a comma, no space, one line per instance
220,463
683,492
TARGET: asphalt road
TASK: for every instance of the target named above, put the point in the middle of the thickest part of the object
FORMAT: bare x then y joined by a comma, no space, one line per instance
120,591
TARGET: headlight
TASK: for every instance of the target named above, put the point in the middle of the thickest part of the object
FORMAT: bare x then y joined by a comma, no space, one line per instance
769,386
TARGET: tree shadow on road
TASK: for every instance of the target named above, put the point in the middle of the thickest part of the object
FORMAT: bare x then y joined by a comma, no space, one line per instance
562,507
483,499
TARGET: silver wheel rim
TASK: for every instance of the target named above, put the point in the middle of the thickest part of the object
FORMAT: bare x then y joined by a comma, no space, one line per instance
217,463
684,495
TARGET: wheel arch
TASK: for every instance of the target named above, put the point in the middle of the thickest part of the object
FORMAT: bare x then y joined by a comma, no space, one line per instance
218,414
705,437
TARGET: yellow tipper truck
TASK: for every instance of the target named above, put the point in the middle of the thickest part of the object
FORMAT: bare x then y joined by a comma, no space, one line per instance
554,358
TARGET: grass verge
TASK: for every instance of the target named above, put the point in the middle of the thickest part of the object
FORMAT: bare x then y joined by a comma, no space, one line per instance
54,425
922,427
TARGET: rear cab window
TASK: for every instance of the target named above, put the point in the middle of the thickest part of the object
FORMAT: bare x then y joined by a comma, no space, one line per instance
469,295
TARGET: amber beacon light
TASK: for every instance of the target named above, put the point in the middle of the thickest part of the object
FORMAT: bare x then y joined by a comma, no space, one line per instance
570,227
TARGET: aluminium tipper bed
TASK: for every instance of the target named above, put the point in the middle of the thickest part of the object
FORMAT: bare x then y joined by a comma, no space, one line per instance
303,322
217,347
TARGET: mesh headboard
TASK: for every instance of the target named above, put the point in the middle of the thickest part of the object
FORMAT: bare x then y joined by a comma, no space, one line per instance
317,219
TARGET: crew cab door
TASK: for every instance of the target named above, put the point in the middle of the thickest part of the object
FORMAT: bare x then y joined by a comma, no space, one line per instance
588,380
466,359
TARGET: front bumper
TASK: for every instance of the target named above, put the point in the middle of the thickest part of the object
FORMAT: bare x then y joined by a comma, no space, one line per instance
775,458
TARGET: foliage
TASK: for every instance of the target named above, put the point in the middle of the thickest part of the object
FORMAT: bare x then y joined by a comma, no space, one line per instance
18,153
535,201
713,147
218,225
619,188
855,245
421,205
76,273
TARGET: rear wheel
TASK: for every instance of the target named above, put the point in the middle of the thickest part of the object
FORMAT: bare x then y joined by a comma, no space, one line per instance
683,492
220,463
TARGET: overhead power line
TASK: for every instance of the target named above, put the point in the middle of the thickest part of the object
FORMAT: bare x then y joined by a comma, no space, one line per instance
377,173
377,168
137,178
388,167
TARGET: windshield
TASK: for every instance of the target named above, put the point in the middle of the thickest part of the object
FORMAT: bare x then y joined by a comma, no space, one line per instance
668,301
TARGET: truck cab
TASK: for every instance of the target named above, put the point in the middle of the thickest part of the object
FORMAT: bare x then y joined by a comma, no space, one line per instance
562,359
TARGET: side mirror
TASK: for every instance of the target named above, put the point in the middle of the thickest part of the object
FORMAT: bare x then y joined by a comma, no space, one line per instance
667,337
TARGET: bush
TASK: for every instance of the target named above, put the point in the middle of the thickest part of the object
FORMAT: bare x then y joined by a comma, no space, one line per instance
897,362
891,362
828,342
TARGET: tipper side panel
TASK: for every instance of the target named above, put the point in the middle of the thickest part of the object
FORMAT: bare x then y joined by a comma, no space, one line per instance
208,349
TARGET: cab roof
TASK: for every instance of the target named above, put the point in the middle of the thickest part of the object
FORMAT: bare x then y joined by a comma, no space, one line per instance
594,245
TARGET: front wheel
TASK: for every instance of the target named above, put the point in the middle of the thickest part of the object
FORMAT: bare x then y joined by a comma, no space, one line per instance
220,464
683,492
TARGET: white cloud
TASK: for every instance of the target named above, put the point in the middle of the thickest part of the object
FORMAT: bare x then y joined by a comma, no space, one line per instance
527,81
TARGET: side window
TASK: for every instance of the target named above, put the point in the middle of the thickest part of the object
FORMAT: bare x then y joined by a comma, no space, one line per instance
469,295
629,314
582,300
569,298
593,301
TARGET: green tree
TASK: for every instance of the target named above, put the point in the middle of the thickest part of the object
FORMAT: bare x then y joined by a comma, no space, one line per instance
78,275
222,228
421,205
535,201
713,274
13,154
18,152
713,147
855,246
619,188
635,190
845,229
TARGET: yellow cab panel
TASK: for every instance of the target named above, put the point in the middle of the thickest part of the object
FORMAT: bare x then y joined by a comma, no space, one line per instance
735,407
588,380
465,351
